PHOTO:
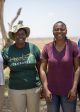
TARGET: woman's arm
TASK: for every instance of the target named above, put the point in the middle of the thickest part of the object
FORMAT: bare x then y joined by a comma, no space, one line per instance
43,76
76,72
43,70
73,92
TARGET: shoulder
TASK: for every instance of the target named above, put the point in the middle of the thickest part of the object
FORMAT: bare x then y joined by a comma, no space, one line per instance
73,43
48,44
7,49
11,46
33,47
47,47
31,44
74,48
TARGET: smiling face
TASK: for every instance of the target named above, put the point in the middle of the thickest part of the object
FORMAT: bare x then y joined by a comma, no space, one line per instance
20,36
59,31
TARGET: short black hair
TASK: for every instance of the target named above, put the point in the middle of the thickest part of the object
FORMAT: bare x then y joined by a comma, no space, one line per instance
60,22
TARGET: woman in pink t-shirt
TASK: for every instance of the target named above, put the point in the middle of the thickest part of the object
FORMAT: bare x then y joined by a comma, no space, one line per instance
58,71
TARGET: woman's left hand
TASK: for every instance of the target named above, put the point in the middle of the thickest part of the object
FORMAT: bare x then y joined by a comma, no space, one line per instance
72,94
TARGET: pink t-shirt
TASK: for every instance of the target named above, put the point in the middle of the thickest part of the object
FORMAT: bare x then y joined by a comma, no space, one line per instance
60,71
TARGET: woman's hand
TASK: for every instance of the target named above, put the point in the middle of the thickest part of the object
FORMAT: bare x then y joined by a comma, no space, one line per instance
72,94
47,94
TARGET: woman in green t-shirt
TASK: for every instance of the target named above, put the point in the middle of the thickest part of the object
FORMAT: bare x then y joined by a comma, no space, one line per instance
23,59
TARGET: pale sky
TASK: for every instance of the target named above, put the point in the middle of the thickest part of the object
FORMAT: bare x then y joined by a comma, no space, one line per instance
40,15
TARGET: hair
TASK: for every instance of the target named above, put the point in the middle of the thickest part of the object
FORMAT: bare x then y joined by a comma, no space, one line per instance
60,22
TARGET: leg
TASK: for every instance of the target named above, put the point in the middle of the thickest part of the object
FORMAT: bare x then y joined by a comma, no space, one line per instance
1,96
33,100
18,100
54,105
68,106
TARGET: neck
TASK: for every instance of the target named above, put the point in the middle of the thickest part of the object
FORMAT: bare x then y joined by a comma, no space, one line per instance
20,45
60,43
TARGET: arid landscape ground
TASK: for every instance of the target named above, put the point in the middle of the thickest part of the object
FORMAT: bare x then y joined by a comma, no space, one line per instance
40,42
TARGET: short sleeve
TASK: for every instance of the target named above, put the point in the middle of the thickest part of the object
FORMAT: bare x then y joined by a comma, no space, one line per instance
5,56
79,53
44,54
36,52
75,50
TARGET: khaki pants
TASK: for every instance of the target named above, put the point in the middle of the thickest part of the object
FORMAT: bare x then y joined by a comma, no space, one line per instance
1,96
25,99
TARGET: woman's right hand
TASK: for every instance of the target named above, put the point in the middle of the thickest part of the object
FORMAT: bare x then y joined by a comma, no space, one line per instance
47,94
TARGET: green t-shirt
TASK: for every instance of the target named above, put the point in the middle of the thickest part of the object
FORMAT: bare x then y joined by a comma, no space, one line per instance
22,63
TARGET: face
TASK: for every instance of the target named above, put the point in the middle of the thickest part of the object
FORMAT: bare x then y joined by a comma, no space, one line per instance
59,31
20,36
